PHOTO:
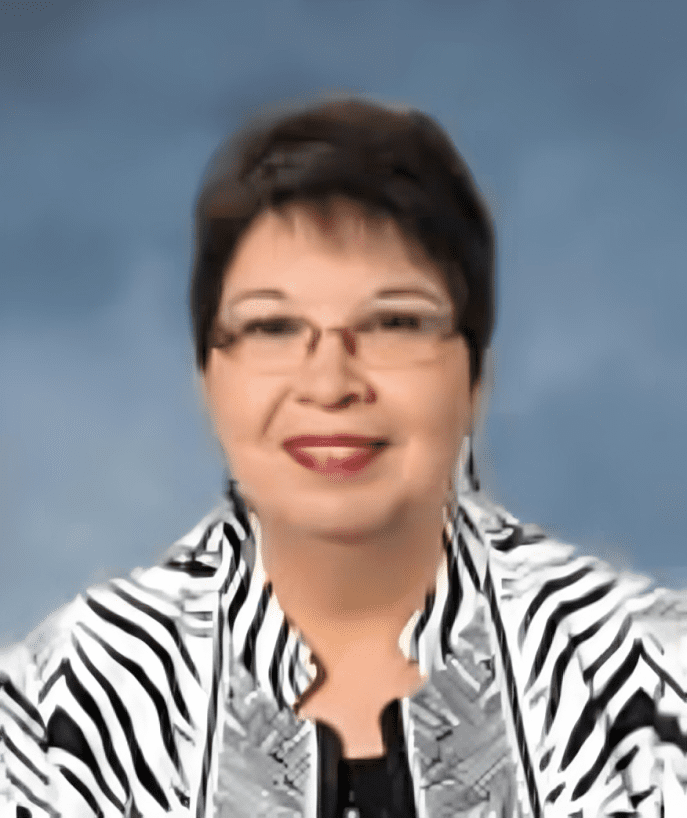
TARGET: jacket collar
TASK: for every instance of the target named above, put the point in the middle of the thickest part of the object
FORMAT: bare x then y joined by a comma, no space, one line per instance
275,652
268,758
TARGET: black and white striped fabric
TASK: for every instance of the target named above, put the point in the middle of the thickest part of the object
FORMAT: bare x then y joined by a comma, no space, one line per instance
555,687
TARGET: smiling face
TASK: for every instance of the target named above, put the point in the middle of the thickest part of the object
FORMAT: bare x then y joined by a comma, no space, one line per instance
330,274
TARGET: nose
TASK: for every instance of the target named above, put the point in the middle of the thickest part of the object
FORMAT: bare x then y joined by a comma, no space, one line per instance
329,375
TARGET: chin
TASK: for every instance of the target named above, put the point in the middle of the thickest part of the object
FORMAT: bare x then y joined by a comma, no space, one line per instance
337,508
344,515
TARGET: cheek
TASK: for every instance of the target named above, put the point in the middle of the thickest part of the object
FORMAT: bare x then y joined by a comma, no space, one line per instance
236,422
433,416
440,397
437,407
241,409
231,404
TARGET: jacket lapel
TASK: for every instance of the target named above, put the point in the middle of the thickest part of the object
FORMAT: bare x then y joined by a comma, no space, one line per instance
267,763
457,739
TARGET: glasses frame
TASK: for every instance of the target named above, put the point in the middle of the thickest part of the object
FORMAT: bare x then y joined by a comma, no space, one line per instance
226,339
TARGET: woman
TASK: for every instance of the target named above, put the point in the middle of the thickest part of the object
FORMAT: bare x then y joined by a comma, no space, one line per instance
357,630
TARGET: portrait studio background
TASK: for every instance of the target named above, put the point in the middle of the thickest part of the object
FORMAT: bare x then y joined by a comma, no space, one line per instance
573,119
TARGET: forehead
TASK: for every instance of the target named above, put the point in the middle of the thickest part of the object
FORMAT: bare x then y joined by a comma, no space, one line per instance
346,235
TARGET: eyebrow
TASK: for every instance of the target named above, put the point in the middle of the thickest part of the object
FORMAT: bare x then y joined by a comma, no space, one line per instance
280,295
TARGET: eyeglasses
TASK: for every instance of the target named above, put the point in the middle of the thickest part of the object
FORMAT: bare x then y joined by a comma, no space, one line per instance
386,339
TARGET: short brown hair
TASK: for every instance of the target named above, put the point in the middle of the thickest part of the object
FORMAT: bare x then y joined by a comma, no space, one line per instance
397,163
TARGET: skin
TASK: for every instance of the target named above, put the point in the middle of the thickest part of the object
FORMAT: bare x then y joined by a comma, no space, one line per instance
350,560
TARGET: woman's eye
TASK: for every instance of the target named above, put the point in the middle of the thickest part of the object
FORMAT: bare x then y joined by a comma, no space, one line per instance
401,321
272,326
223,338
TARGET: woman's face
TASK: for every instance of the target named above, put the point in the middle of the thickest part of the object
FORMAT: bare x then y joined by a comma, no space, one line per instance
326,273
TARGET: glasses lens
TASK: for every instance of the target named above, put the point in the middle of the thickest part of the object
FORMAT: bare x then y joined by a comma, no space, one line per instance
390,340
381,352
398,339
275,344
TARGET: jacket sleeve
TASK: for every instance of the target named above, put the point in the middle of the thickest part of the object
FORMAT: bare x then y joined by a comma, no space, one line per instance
35,780
26,777
104,707
600,670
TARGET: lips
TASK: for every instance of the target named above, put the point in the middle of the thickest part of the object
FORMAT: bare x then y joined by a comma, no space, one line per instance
332,440
341,454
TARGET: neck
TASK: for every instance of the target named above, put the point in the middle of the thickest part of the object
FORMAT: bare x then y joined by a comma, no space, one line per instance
348,595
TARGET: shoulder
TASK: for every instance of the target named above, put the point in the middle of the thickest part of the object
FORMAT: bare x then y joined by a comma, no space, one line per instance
533,569
550,589
599,656
112,687
172,590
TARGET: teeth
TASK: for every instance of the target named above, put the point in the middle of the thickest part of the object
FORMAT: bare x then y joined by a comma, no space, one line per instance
324,453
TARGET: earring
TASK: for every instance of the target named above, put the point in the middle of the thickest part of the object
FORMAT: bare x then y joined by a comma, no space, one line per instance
466,476
243,509
450,507
473,477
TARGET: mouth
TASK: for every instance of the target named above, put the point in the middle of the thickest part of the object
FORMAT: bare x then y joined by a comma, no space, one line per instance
334,454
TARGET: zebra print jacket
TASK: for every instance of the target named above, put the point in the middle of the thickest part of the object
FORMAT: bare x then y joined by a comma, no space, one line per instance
555,687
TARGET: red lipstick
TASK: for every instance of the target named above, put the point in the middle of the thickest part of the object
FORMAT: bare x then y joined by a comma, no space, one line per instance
362,451
333,440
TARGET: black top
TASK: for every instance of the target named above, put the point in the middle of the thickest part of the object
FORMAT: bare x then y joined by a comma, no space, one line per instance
368,787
